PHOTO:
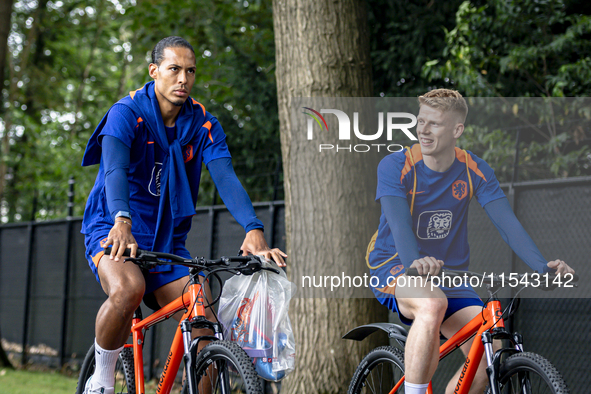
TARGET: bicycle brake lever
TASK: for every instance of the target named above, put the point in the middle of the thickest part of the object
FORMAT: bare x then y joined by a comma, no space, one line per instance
141,262
251,267
271,269
133,260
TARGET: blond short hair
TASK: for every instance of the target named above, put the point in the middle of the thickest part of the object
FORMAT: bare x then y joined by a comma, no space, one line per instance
446,100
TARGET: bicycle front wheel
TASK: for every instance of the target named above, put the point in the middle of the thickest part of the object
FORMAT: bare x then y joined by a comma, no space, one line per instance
222,367
530,373
124,372
379,372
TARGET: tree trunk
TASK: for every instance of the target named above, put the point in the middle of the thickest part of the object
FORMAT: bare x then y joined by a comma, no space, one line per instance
5,14
30,54
322,50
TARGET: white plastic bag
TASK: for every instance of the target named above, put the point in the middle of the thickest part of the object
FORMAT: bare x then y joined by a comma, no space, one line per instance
254,312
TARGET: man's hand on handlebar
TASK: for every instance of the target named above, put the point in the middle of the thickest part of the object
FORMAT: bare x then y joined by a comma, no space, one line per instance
255,243
427,265
561,267
120,238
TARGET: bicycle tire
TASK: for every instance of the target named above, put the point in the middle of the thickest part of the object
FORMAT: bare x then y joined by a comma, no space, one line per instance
378,372
230,361
124,372
533,371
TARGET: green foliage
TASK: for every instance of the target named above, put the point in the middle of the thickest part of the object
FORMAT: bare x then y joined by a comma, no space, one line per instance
517,49
406,35
527,48
53,100
550,130
70,60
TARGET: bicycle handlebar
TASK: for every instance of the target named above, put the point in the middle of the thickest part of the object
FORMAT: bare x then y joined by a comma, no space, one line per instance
149,259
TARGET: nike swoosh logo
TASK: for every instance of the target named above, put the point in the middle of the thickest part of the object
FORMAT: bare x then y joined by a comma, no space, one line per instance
411,192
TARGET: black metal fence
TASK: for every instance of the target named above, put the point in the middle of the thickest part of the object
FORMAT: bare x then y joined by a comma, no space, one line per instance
557,215
43,300
49,296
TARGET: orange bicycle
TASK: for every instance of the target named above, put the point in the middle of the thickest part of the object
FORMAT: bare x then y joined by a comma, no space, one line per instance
220,367
510,370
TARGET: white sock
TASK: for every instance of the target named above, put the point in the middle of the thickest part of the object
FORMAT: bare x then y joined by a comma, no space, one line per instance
106,360
414,388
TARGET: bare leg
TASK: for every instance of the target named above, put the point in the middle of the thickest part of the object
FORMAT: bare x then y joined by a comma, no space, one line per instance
124,285
427,308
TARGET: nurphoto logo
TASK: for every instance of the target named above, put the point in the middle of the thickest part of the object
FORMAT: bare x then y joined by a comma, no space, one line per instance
394,122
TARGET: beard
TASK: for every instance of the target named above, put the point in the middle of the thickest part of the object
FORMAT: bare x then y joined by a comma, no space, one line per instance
176,101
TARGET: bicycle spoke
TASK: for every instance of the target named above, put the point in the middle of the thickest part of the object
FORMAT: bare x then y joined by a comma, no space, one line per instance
381,379
120,382
379,372
526,382
381,367
221,375
373,390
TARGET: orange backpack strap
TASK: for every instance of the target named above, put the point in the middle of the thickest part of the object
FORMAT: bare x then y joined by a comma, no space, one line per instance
372,242
468,158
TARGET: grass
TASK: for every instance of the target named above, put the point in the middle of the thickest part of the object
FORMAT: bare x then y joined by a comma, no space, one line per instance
29,382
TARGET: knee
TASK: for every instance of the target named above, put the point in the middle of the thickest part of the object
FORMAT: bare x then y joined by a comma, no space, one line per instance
431,309
127,296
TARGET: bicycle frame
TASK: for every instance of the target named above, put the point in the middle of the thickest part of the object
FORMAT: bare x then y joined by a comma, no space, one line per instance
193,295
192,301
491,316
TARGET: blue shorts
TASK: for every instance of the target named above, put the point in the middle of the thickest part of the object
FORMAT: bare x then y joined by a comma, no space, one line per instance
457,298
155,279
453,305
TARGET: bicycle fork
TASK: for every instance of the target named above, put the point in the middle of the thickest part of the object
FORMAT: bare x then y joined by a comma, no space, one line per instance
493,359
191,349
186,329
491,369
190,345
